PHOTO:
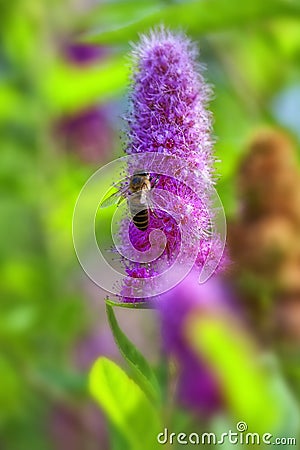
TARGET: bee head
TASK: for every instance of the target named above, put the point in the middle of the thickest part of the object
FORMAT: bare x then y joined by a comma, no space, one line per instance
138,179
142,174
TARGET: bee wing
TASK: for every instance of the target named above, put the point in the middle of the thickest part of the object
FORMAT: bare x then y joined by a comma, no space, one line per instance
156,200
144,199
113,199
116,198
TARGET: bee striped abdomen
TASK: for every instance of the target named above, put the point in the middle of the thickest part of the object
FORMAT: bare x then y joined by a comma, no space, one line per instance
141,219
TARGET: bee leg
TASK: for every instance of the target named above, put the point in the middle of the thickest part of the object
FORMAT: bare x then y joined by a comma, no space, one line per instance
154,214
156,180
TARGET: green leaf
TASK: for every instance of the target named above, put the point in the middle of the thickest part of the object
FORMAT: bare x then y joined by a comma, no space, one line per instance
68,88
118,13
142,372
125,404
116,439
199,17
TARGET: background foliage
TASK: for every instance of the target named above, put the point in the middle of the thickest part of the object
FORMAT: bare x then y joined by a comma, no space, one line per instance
60,120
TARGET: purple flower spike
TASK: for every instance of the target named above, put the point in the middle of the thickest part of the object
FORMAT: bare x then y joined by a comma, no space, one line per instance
168,101
168,116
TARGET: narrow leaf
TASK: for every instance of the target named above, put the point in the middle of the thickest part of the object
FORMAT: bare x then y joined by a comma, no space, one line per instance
200,16
142,372
117,14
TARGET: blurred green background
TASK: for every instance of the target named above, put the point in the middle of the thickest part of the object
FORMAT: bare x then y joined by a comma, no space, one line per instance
64,81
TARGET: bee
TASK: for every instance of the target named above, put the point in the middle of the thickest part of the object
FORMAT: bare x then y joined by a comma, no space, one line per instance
140,184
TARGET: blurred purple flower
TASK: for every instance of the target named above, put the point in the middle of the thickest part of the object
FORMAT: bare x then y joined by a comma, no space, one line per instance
168,116
83,54
81,425
197,388
87,133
